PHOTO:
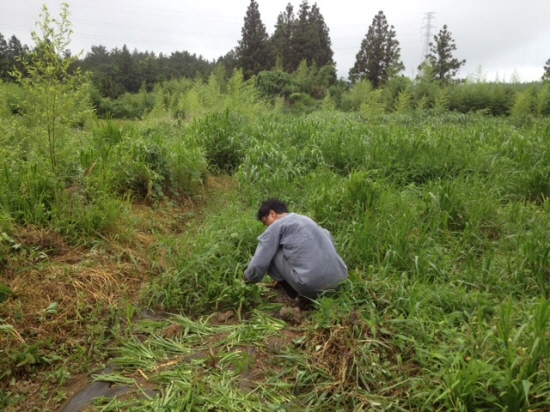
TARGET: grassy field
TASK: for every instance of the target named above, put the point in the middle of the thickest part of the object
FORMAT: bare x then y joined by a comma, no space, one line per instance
130,253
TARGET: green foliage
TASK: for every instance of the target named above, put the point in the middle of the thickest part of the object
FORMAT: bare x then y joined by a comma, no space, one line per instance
242,96
211,277
12,52
441,103
302,38
118,71
220,137
546,75
398,95
373,106
310,39
404,101
445,66
149,163
328,103
442,220
56,96
378,59
275,83
13,97
494,99
4,290
522,109
359,94
282,38
543,101
425,87
253,52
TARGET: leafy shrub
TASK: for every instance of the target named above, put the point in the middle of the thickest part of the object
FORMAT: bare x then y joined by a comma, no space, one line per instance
150,163
13,97
358,95
392,91
543,100
495,99
274,83
301,102
220,136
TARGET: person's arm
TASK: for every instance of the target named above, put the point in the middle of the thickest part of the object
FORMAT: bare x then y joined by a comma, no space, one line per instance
268,245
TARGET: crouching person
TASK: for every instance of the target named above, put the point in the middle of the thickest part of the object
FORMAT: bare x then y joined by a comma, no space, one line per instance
295,252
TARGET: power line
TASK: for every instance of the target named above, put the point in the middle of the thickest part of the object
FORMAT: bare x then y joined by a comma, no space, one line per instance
427,34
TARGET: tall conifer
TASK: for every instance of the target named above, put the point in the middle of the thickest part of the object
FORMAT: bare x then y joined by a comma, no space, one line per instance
253,53
444,65
281,40
4,61
324,55
379,57
304,42
303,38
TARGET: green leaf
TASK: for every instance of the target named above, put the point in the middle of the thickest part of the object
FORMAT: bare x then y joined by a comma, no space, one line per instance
4,292
526,386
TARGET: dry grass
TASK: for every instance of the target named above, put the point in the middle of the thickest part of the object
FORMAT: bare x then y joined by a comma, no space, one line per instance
348,351
88,282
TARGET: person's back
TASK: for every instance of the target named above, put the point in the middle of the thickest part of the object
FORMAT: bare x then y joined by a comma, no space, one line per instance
311,253
294,249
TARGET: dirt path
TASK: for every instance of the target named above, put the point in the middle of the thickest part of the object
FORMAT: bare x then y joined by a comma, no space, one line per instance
70,302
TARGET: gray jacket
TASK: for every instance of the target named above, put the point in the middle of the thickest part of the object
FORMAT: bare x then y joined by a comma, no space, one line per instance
308,248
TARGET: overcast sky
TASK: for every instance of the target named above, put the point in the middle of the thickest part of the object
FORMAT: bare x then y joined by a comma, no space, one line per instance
499,36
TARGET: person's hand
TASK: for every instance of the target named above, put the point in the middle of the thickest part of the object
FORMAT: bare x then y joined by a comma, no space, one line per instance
273,285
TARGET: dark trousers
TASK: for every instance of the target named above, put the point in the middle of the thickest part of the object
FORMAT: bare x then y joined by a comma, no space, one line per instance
289,290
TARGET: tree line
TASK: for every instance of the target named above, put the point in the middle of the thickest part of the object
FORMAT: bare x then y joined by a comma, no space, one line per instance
114,72
298,38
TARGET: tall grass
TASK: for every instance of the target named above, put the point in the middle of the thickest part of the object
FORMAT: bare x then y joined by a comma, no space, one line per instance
97,170
442,221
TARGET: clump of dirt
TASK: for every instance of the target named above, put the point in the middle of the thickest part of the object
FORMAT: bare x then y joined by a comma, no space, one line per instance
290,314
227,317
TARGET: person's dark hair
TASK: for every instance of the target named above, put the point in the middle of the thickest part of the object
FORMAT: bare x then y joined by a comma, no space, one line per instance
271,204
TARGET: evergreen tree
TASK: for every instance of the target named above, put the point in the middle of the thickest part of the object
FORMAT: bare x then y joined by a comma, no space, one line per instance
310,41
148,69
127,73
16,51
97,56
303,38
4,62
546,75
253,52
119,71
11,54
303,42
379,57
281,40
324,54
444,65
101,64
229,61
